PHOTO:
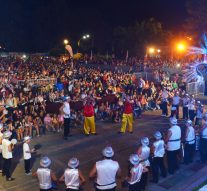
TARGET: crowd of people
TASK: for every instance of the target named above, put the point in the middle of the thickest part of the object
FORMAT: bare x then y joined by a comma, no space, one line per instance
41,95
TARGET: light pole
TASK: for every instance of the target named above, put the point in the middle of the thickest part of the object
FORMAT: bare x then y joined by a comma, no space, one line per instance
87,36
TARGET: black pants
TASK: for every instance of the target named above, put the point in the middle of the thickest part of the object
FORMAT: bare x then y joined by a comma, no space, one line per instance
188,153
185,112
66,127
135,187
27,166
191,114
198,121
177,111
70,189
143,181
46,189
112,189
1,161
172,161
203,149
7,168
158,164
164,108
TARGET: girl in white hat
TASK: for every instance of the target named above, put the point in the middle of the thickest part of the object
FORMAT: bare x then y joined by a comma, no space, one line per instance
135,173
45,175
72,176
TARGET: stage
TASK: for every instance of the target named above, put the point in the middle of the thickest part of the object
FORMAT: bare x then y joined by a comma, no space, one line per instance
87,150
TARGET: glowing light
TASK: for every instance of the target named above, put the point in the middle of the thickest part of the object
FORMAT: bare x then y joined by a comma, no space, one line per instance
84,37
65,41
178,65
151,50
24,56
158,50
181,47
88,36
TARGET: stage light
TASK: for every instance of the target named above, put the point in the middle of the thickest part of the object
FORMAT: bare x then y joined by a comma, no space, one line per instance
158,50
181,47
65,41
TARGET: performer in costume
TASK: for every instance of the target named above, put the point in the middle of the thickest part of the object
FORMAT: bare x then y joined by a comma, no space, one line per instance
127,117
89,119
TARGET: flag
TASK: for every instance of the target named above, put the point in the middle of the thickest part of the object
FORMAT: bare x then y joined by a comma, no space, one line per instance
127,55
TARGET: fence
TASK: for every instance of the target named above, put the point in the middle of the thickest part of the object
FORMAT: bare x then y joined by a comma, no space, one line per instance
195,88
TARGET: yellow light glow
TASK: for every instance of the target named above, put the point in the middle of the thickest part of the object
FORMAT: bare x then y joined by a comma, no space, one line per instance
65,41
181,47
158,50
151,50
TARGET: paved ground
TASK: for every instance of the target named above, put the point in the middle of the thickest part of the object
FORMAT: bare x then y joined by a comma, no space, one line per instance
88,150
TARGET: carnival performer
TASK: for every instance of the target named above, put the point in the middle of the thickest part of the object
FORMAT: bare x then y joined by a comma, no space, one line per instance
89,119
127,117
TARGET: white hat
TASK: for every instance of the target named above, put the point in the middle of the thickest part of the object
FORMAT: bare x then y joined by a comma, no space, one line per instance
73,162
198,102
145,141
45,162
173,108
157,135
173,121
134,159
27,138
108,152
1,126
189,122
7,134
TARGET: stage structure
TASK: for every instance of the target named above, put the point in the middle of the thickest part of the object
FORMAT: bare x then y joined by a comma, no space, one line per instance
196,72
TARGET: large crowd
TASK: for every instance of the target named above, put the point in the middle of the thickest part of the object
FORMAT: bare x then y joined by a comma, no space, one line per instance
39,95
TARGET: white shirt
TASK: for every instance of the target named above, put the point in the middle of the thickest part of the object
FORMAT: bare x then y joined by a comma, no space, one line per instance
199,113
5,149
106,173
174,141
44,177
72,178
25,150
191,105
190,139
176,100
204,133
66,110
159,148
145,155
136,173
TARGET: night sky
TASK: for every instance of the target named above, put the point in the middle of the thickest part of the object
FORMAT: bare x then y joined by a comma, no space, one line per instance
39,25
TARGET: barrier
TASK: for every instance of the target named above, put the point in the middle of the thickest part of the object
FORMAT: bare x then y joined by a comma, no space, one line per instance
195,88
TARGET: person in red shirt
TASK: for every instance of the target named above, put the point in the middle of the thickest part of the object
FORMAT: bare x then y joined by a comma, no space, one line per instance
127,117
89,120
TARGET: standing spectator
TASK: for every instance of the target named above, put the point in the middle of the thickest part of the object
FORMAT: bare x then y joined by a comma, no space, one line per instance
66,110
141,84
45,175
191,108
185,102
199,113
158,151
175,103
173,141
164,102
203,143
72,176
27,155
106,171
189,142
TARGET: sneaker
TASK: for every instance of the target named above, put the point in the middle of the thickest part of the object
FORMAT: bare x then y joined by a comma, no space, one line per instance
163,115
10,179
29,173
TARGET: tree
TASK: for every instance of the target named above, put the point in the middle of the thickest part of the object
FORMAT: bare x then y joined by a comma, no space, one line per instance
135,38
